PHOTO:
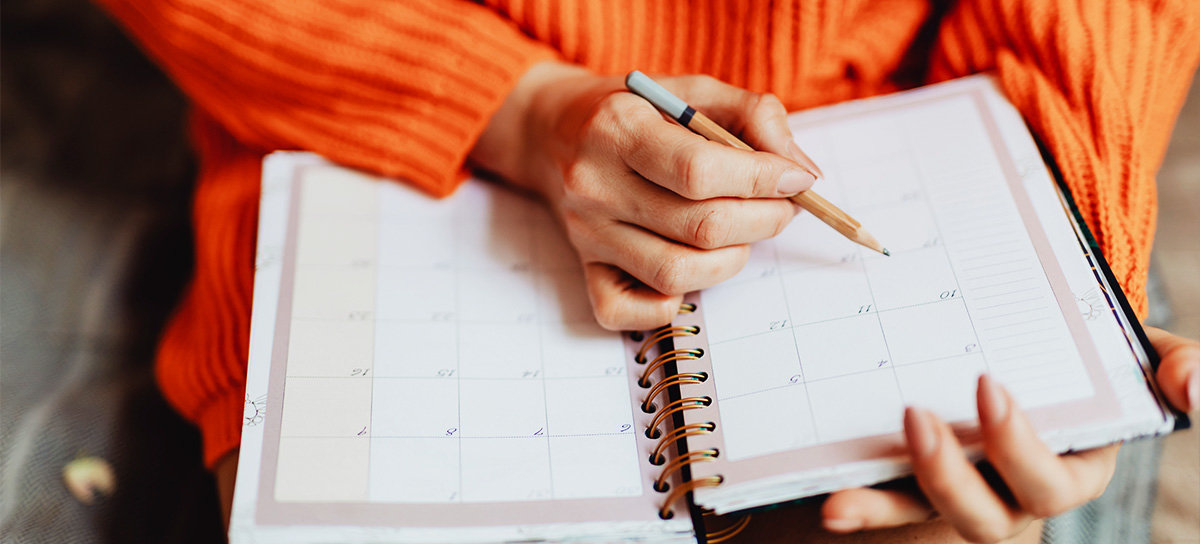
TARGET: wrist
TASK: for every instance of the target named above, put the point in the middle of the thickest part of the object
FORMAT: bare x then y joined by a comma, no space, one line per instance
514,145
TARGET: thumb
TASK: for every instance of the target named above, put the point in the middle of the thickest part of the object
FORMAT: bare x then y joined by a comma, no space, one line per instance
1179,368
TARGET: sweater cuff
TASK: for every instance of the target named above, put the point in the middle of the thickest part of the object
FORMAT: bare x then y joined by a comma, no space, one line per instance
220,423
431,147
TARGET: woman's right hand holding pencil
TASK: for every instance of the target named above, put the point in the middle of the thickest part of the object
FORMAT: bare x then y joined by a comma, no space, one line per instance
653,210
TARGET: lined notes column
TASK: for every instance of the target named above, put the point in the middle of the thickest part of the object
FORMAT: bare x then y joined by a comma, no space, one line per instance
1021,329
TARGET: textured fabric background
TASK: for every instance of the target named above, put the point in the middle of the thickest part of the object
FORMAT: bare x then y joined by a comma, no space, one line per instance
94,186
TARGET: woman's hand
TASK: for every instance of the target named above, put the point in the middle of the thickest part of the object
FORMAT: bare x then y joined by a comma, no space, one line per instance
1038,483
653,210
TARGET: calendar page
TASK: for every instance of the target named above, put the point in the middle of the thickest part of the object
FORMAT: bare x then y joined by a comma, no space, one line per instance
430,370
818,345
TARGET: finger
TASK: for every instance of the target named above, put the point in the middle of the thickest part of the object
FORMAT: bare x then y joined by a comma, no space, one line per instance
697,169
1178,369
622,303
952,484
1043,483
708,224
692,167
759,119
667,267
865,508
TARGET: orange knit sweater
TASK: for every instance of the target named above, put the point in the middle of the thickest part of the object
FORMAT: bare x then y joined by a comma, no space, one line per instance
404,88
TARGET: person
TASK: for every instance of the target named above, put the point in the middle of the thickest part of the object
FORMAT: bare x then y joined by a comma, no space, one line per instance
529,90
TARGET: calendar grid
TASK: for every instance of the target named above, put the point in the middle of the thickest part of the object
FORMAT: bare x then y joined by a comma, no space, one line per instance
795,343
875,308
537,272
458,309
369,373
921,177
453,320
924,326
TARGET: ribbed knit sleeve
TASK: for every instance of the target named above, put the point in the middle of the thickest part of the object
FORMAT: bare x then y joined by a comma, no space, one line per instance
202,355
402,88
1100,83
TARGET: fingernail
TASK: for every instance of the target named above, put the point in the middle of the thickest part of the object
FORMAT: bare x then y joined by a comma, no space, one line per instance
804,160
1193,390
918,428
993,403
793,181
842,525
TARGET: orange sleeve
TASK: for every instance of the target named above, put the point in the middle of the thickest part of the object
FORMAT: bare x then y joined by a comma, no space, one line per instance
402,88
1100,83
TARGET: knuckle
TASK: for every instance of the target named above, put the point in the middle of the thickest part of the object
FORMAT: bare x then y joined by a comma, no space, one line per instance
671,275
612,113
581,183
697,170
705,80
766,105
712,229
608,313
764,180
697,81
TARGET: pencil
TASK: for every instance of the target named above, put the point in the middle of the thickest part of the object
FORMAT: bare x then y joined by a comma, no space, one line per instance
641,85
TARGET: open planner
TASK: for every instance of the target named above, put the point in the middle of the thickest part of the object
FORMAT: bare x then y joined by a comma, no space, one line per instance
426,370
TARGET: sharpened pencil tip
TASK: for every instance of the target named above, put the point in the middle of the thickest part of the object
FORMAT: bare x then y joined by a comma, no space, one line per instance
886,253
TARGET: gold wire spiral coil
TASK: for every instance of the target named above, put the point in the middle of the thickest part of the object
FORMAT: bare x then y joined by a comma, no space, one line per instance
687,403
726,533
678,492
674,379
688,354
691,429
663,334
695,456
687,308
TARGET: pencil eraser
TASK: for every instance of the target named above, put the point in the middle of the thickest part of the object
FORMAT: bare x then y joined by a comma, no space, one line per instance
656,94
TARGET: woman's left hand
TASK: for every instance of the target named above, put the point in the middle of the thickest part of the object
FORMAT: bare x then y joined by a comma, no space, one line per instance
1038,482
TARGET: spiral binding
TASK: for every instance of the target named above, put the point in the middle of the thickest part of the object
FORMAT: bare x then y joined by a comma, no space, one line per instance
666,357
691,429
726,533
665,440
677,493
648,405
660,483
663,334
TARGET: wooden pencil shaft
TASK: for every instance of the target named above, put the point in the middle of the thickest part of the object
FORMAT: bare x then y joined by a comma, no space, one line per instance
702,125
